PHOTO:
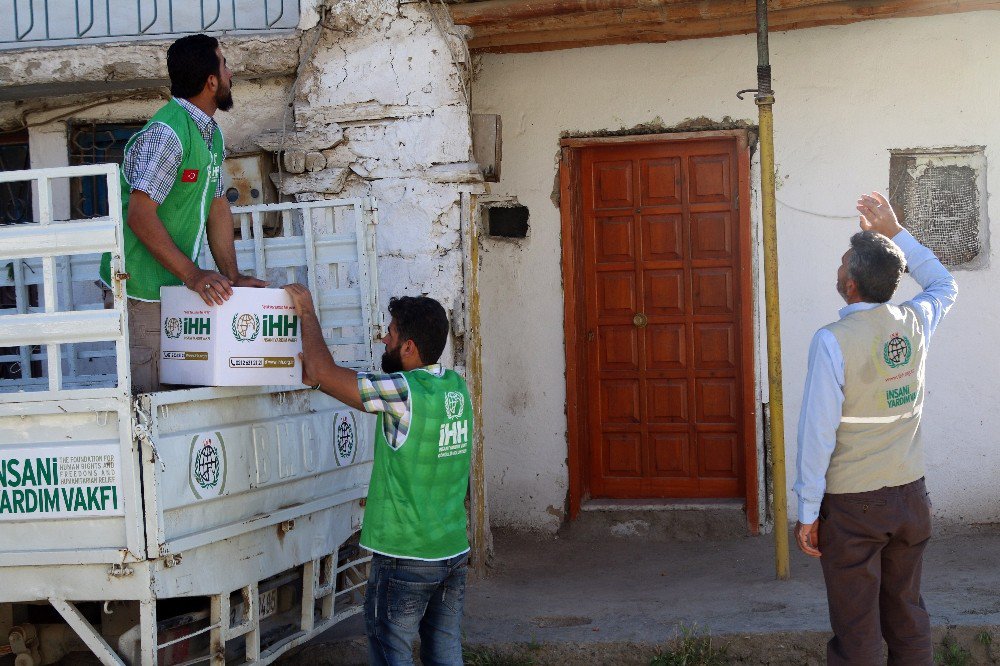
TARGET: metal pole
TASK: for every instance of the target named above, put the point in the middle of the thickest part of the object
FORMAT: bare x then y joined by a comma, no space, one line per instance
481,537
765,100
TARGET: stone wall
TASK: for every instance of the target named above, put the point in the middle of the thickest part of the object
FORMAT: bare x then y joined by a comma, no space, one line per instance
380,109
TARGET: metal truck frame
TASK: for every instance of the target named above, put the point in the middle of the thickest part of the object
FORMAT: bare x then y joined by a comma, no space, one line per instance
167,563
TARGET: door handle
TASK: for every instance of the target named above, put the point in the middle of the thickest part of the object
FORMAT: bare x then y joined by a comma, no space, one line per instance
640,320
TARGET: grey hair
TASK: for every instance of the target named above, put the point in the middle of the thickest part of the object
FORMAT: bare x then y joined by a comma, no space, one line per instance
876,265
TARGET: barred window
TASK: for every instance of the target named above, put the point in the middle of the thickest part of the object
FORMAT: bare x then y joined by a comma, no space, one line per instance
94,143
15,198
939,195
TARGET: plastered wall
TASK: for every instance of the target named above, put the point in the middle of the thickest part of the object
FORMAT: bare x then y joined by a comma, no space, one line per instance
382,100
845,96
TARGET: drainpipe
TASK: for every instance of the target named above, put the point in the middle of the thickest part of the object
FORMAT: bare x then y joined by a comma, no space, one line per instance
765,100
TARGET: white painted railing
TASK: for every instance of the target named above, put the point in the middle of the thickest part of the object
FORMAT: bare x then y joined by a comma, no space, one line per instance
329,246
42,255
62,22
58,335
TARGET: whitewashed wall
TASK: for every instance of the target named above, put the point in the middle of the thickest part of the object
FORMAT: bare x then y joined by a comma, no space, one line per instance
391,77
845,96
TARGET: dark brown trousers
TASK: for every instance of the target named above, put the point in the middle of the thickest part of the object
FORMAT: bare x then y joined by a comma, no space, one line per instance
144,342
873,549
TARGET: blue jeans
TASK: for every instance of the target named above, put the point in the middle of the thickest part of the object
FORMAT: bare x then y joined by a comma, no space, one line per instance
405,597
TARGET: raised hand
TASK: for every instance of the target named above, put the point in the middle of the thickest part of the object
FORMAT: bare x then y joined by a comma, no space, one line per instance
877,215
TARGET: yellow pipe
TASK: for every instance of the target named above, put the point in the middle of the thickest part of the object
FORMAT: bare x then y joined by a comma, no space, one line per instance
776,400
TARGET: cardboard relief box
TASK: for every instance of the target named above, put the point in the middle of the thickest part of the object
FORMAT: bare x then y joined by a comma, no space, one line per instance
253,339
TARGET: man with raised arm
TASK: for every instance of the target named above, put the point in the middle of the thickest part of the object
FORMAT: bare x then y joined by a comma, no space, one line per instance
863,507
415,521
171,187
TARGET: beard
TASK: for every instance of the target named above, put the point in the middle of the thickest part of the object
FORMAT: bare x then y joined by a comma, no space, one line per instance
224,99
392,361
842,289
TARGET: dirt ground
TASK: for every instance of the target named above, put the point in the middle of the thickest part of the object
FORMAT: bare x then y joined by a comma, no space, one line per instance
566,601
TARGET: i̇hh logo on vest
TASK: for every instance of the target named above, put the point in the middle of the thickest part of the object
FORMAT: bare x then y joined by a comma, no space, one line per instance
897,351
453,439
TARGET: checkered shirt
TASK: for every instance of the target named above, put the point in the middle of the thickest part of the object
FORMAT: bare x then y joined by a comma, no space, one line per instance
390,394
155,155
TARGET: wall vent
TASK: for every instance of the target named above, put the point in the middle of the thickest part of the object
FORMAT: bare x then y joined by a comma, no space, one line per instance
939,195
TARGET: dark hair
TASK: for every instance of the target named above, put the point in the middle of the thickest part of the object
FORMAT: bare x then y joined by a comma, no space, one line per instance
423,320
190,61
876,264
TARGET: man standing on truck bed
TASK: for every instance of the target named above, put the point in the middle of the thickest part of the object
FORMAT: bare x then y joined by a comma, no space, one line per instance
171,186
415,522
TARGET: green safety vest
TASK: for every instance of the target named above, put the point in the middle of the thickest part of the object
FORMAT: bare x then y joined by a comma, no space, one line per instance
416,500
184,211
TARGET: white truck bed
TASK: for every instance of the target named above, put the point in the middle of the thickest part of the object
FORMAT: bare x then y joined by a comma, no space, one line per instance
242,501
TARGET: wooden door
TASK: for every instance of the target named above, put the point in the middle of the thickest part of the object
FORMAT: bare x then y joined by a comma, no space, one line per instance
666,284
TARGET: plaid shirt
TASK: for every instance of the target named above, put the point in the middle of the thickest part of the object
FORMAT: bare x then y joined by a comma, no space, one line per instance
390,394
152,160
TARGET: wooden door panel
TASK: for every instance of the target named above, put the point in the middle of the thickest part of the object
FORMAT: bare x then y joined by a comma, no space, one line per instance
613,185
715,346
670,454
668,401
713,291
622,454
666,348
712,235
619,348
613,240
715,400
719,455
662,181
663,278
664,293
711,179
663,237
616,294
620,401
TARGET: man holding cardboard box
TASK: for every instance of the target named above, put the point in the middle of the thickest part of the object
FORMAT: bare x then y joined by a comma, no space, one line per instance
415,520
171,187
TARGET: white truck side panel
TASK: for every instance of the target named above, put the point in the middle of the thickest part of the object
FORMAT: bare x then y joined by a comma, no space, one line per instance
278,460
65,429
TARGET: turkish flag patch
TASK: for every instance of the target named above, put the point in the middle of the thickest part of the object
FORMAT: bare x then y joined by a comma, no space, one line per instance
189,176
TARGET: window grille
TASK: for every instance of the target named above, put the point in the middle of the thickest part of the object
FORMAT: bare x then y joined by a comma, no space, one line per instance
95,144
15,208
29,23
15,198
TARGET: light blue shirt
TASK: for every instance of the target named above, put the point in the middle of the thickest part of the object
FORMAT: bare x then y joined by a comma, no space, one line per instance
823,397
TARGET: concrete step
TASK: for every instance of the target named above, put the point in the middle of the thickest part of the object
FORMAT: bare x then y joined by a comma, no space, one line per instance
658,520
